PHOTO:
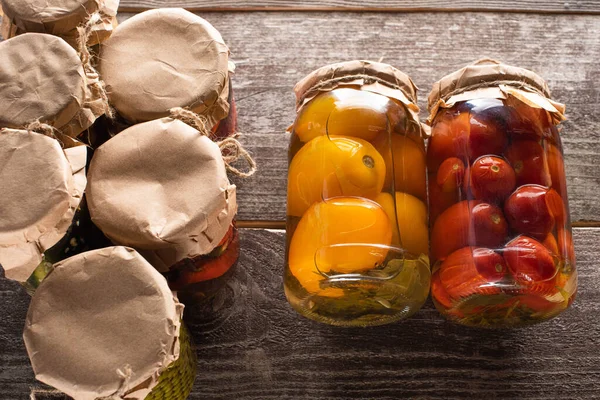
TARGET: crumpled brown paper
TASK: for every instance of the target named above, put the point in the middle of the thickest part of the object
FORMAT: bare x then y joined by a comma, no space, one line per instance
58,17
166,58
42,78
42,186
161,188
370,76
492,79
103,324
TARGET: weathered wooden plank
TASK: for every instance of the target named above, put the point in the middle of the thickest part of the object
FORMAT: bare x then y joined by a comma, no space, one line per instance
251,345
554,6
274,50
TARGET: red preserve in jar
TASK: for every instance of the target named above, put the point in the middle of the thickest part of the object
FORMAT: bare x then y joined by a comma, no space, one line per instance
161,187
501,243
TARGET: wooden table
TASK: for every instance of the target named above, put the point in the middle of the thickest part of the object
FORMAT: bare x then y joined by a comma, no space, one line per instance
251,345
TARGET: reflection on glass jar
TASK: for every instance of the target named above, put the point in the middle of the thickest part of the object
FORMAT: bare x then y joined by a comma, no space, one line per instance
501,243
357,238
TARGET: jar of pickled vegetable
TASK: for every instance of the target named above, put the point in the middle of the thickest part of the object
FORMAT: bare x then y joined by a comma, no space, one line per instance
43,214
104,324
59,17
501,243
357,238
165,58
162,188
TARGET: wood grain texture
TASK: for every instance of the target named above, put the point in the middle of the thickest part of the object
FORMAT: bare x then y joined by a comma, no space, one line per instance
252,346
554,6
274,50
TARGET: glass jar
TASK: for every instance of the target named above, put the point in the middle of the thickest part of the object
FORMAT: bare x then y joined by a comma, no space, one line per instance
125,337
162,188
357,238
59,17
501,243
197,77
44,215
43,80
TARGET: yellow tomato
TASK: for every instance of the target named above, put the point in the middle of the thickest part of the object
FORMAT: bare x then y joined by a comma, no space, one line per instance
343,111
409,166
331,166
324,238
411,215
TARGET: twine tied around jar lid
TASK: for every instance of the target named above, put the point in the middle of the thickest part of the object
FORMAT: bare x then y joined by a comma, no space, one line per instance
490,78
231,149
95,84
369,76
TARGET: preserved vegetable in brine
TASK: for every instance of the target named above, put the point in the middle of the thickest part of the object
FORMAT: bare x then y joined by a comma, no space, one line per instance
501,243
357,251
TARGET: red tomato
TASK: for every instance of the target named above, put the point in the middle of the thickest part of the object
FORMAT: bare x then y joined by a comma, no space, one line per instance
528,122
439,200
463,135
533,210
528,159
556,167
450,175
566,249
206,267
551,244
490,179
472,270
468,223
438,293
529,261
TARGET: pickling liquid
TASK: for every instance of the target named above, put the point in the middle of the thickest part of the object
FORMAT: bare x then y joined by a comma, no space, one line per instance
501,243
357,237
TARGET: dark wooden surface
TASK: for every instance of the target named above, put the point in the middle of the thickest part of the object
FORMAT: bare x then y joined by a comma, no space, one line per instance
251,345
552,6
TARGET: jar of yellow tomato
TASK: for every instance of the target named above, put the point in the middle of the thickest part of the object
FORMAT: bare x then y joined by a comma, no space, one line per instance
357,238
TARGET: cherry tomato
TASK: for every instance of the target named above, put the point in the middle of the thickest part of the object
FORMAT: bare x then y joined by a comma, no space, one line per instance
468,223
450,175
528,122
463,135
438,293
439,200
208,267
556,167
472,270
533,210
490,179
529,261
528,159
565,245
551,244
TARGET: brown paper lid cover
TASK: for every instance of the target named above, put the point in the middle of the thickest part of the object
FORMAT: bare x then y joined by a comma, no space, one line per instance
369,75
166,58
163,187
42,186
32,15
103,323
489,78
41,78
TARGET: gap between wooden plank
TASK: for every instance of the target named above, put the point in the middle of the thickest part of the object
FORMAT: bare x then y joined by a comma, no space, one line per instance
281,224
369,9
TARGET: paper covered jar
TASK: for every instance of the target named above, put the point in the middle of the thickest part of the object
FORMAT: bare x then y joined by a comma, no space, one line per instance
104,324
166,58
60,18
161,187
42,208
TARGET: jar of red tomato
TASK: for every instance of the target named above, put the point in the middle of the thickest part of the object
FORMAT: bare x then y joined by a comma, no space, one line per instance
501,243
162,188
